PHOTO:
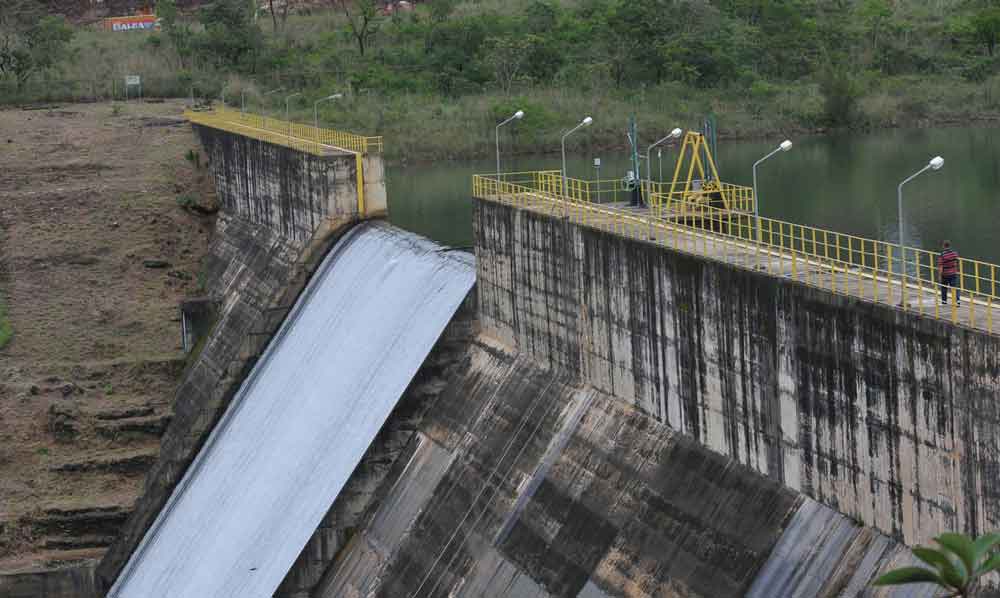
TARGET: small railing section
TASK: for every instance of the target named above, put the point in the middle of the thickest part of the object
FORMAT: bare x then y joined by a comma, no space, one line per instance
308,138
845,264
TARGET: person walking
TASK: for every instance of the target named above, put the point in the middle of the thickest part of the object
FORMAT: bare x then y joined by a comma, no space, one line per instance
948,271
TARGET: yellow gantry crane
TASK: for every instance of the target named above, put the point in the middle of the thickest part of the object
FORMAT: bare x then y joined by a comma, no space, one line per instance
702,183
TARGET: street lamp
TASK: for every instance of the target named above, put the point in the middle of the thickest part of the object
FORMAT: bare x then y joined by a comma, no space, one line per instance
935,164
649,165
784,147
287,103
517,116
584,123
273,91
335,96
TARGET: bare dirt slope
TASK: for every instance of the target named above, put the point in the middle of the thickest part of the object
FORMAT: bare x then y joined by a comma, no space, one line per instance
88,202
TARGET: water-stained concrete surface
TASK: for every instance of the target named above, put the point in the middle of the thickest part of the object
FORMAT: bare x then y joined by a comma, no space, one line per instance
523,482
885,416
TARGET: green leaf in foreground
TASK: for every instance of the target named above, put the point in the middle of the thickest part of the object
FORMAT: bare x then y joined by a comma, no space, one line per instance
946,568
962,546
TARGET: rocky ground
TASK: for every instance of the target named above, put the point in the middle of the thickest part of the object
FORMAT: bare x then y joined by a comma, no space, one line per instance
98,245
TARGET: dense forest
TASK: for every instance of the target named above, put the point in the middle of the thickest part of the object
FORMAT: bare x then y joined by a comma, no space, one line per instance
760,65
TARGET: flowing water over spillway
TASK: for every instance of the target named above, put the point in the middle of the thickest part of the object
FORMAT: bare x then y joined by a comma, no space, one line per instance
843,182
302,420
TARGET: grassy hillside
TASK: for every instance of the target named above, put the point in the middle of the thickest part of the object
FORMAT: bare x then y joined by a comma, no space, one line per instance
435,81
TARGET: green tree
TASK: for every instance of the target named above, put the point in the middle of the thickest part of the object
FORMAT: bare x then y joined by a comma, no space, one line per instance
180,35
363,21
840,95
986,28
956,567
231,39
30,41
506,57
27,50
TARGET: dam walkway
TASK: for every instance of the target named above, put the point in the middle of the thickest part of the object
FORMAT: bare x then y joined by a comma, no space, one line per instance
844,264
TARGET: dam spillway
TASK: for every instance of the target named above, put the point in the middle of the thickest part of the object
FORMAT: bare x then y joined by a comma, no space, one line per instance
302,419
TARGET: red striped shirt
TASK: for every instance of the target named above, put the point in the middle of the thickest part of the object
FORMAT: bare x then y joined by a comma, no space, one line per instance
948,262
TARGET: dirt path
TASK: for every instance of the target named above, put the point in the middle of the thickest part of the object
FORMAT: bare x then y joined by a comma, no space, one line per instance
88,196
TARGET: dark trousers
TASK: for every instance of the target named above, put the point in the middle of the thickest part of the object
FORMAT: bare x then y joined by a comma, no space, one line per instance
950,280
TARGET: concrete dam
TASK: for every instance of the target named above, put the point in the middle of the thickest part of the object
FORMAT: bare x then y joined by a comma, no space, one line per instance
572,412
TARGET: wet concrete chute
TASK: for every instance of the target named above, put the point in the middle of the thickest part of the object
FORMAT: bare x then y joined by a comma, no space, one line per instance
302,420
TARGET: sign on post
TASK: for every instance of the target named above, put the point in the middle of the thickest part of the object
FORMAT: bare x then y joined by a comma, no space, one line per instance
133,81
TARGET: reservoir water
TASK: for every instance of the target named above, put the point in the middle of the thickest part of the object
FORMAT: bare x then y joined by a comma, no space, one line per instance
844,182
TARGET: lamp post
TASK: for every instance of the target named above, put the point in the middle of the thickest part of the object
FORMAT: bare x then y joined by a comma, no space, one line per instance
287,104
935,164
659,156
583,123
316,104
516,116
649,164
784,147
273,91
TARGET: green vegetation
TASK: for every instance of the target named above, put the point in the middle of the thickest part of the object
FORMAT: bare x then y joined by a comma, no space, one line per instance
956,568
6,330
434,81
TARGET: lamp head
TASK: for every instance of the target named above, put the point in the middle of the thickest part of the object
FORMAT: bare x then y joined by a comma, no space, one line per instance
786,145
586,122
519,114
936,163
335,96
675,133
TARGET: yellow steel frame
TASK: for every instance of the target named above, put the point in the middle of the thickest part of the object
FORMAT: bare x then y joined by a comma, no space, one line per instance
694,147
841,263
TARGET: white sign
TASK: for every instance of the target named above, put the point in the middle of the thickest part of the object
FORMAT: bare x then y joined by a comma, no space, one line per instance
133,80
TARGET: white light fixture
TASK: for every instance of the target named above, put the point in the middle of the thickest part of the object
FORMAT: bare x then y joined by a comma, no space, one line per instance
935,164
584,123
335,96
517,116
784,147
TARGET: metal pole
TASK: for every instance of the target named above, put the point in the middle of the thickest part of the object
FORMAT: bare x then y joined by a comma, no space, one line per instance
497,137
902,245
659,156
756,196
649,169
288,120
568,133
243,102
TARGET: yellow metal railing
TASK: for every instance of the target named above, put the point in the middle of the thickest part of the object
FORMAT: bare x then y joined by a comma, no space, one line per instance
299,136
845,264
603,191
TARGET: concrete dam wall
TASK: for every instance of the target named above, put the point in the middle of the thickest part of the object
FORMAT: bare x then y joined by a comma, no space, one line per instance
521,481
291,192
885,416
